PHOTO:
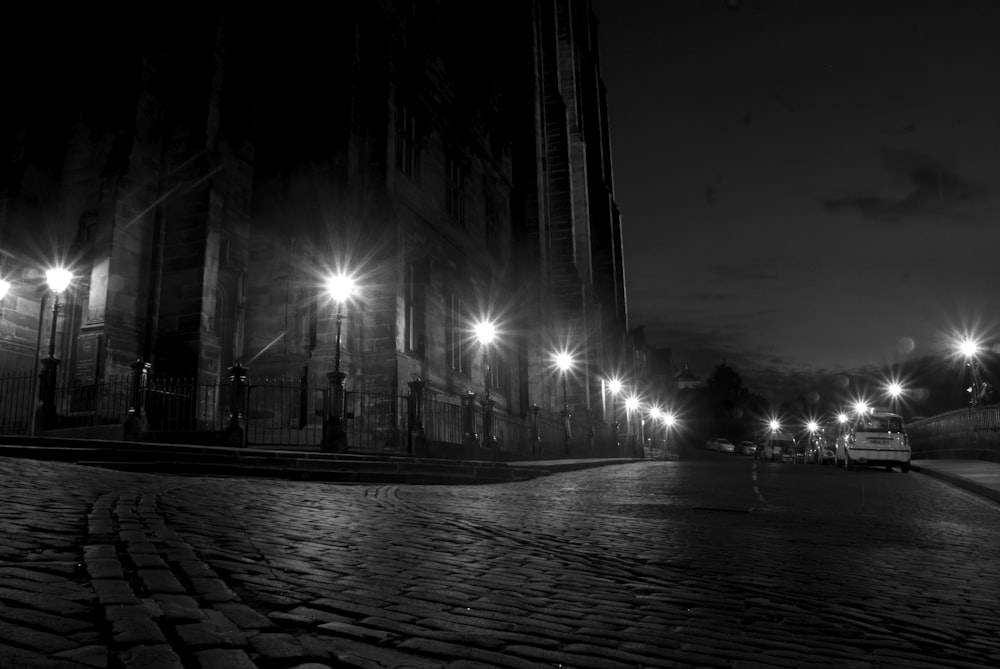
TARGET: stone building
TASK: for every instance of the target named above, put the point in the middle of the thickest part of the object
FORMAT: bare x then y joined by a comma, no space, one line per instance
203,174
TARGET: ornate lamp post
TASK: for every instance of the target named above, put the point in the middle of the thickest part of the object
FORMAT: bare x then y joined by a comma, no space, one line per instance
340,289
614,387
970,350
486,332
58,280
669,420
564,361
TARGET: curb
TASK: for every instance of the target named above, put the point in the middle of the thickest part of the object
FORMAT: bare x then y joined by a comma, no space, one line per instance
960,482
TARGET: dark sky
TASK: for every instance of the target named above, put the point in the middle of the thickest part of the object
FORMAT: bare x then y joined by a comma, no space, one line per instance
806,187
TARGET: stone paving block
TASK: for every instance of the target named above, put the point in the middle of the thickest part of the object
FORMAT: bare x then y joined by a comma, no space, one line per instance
219,658
357,632
50,622
114,591
108,567
139,547
133,626
194,568
157,656
45,642
147,561
14,656
277,645
91,656
132,536
243,616
214,632
177,607
49,603
456,651
352,653
213,590
161,581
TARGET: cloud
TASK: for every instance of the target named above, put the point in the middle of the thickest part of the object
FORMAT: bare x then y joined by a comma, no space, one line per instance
933,189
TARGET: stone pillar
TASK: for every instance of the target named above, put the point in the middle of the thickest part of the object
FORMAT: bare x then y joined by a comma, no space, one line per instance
416,442
235,435
536,438
334,434
135,423
471,438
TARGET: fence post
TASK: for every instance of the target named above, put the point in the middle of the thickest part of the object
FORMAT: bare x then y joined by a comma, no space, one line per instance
334,435
135,420
470,439
536,438
237,381
416,439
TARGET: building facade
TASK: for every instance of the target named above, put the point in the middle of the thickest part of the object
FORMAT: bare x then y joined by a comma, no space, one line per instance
203,175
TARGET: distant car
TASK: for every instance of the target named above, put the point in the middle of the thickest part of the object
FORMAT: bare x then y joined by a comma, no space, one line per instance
799,451
822,445
747,448
720,444
779,447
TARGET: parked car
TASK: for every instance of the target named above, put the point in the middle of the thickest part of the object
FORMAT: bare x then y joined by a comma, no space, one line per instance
720,444
747,448
823,444
799,451
875,438
779,446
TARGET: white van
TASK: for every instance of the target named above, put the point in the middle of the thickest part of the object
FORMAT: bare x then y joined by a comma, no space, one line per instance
875,438
779,446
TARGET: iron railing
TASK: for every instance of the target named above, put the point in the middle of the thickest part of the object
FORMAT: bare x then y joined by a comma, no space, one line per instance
287,412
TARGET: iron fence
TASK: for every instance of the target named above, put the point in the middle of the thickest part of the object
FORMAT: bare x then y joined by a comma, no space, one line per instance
959,433
287,412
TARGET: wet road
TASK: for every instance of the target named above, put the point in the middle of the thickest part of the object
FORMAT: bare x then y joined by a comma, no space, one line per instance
714,561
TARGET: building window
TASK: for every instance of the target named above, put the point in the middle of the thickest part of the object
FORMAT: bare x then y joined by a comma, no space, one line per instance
414,306
499,371
406,142
456,190
456,346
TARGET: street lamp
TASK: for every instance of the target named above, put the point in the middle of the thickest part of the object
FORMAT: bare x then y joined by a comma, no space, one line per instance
632,406
969,348
564,361
4,287
615,387
340,288
669,420
485,332
58,280
894,389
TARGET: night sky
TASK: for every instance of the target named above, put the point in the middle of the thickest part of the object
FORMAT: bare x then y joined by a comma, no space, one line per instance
807,188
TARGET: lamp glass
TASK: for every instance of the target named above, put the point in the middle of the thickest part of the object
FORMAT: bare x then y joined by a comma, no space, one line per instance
58,279
485,331
4,287
340,287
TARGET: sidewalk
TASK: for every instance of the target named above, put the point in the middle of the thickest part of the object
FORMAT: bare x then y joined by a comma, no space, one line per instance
981,477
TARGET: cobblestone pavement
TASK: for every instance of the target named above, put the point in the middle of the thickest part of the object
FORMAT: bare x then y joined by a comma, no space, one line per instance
654,564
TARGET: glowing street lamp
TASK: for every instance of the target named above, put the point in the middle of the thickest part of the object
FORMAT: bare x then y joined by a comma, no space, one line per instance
632,406
969,349
894,389
57,279
486,331
340,288
564,361
614,387
4,287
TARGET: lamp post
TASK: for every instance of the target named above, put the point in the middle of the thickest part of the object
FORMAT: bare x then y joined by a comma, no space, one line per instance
57,279
340,288
486,331
564,361
669,420
970,349
614,387
631,407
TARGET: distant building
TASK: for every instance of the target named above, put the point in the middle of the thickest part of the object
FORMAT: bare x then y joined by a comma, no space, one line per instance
202,173
686,379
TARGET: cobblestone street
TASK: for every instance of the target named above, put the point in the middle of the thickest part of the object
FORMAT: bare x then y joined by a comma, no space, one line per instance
651,564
